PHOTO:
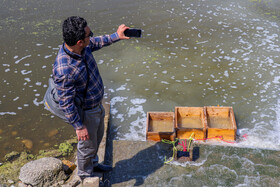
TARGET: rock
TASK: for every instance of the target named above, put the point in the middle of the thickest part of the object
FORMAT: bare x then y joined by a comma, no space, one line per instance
14,133
75,181
91,181
58,184
68,166
11,182
53,133
28,143
21,184
47,144
42,172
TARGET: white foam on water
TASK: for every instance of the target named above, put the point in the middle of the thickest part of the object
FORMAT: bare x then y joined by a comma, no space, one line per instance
182,177
37,103
27,79
122,87
16,62
25,72
111,90
7,113
219,170
269,139
117,99
100,62
197,163
136,130
138,101
120,117
137,127
164,82
137,109
277,126
276,80
15,98
48,56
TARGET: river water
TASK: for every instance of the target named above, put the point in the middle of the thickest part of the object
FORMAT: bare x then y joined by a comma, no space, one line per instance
192,53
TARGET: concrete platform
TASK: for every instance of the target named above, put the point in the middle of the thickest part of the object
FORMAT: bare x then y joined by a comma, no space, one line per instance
137,163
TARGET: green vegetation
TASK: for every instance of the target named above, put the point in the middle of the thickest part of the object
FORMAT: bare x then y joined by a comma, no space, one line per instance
15,160
10,170
65,148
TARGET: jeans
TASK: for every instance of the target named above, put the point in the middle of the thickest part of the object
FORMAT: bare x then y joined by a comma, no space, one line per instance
87,150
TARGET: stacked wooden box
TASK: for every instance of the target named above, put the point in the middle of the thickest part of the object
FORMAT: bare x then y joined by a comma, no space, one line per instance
201,122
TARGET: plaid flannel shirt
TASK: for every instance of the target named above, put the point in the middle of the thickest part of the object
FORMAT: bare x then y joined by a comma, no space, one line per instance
70,77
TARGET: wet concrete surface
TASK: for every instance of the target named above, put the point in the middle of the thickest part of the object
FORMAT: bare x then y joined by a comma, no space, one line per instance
141,163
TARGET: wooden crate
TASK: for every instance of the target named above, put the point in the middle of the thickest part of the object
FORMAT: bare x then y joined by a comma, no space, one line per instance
221,123
160,125
190,120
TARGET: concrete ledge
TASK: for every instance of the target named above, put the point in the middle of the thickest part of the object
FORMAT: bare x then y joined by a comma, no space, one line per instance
141,163
91,182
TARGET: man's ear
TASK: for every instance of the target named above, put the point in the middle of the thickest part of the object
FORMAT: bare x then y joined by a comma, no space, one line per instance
80,43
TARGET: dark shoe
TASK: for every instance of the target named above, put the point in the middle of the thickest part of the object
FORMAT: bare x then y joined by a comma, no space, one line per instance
102,168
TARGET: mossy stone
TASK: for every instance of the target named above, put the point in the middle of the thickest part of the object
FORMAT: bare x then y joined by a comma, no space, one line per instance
12,156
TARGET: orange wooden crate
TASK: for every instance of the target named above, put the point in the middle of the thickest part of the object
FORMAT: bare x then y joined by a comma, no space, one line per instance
160,125
190,120
221,122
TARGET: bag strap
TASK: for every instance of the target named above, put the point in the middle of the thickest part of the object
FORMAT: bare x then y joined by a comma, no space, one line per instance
76,58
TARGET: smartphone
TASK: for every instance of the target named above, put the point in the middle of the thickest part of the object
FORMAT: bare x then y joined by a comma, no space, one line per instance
133,33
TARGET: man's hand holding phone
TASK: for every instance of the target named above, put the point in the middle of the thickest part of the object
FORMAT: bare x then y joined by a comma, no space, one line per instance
121,30
125,32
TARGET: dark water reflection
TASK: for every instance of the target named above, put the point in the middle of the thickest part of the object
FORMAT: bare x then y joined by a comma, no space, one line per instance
193,53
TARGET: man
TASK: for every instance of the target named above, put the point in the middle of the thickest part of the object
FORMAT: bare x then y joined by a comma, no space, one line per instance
76,74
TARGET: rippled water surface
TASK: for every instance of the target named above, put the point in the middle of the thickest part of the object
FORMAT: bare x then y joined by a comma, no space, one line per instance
192,53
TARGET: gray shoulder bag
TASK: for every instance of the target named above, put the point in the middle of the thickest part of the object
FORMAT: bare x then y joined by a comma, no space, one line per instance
51,100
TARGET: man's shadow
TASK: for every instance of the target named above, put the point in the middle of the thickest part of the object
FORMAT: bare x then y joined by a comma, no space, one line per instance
138,162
